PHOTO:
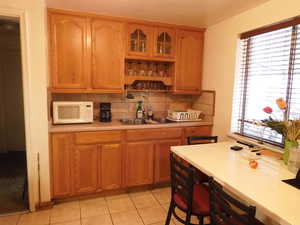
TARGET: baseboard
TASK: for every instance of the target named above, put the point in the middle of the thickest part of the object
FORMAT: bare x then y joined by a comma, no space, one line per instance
44,205
108,193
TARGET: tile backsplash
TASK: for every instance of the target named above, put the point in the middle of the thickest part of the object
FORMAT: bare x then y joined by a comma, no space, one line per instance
124,108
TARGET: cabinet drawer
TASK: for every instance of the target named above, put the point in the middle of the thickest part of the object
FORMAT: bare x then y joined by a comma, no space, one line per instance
198,131
97,137
153,134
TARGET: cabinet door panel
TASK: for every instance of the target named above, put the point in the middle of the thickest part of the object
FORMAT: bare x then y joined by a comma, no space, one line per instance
61,165
139,163
164,42
162,159
86,168
107,55
139,40
68,51
111,167
188,76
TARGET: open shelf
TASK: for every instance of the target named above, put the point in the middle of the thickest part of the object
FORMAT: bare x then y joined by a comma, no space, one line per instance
166,80
147,90
150,59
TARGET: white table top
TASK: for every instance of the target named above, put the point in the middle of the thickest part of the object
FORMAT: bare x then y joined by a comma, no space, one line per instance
262,187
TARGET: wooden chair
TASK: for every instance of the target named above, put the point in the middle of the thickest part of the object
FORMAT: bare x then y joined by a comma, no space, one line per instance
194,140
226,210
191,198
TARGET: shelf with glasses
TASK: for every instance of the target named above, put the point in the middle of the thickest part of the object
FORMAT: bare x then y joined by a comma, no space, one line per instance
166,80
149,75
147,86
144,58
146,91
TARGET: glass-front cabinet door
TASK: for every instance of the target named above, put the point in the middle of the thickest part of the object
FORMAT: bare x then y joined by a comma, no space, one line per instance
164,42
139,39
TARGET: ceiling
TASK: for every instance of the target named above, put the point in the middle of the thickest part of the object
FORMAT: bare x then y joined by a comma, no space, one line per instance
201,13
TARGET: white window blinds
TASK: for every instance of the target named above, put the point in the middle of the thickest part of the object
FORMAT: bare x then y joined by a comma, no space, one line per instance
269,69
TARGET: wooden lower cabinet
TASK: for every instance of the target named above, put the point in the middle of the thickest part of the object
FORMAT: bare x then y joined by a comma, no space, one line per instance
90,162
61,158
85,168
162,160
139,163
110,167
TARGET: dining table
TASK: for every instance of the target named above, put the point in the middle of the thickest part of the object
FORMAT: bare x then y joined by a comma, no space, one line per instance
261,187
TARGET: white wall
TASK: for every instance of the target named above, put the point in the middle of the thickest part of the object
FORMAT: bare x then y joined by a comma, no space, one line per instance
35,82
221,48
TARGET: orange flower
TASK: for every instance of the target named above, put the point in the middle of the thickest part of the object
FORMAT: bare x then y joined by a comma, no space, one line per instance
281,103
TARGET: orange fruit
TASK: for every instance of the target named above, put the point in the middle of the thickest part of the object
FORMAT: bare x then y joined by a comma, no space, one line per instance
253,164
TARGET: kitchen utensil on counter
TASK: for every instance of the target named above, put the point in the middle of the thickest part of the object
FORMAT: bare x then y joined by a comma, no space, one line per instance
105,112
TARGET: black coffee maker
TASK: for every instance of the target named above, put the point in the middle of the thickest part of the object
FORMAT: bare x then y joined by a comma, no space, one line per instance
105,112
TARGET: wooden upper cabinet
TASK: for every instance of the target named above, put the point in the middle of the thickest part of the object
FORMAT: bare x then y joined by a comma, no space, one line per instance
164,42
139,163
69,57
110,167
108,56
86,158
188,74
162,160
139,40
61,157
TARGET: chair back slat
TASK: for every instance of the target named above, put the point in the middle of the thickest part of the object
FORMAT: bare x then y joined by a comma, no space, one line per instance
182,181
195,140
226,210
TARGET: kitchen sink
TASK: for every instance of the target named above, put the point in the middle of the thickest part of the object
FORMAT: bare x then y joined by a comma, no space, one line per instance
138,121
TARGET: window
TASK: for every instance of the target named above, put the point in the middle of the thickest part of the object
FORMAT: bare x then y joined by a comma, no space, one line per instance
269,69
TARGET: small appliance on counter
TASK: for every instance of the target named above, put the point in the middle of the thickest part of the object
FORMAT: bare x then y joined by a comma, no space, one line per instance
105,112
72,112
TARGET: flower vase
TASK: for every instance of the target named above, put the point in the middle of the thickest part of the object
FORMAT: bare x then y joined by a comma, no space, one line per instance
287,146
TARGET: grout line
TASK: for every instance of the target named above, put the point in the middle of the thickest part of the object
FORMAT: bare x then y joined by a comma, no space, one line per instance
80,216
50,212
137,210
109,212
19,219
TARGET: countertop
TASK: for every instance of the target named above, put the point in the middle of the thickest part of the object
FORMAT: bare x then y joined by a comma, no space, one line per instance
117,125
262,187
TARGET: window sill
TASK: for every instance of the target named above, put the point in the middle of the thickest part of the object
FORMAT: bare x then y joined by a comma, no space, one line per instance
255,143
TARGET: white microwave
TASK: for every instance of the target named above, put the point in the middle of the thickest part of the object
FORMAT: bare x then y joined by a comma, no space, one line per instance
72,112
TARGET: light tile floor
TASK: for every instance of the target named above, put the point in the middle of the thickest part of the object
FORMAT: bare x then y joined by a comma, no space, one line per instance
139,208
